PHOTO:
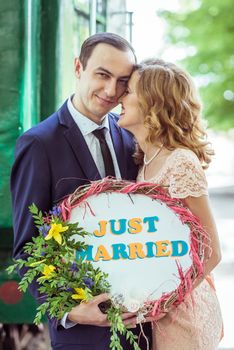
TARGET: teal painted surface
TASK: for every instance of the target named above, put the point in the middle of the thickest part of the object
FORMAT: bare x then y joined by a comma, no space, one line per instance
50,56
11,32
29,112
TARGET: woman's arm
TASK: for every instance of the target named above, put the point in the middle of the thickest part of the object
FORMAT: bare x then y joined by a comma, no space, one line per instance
200,207
188,182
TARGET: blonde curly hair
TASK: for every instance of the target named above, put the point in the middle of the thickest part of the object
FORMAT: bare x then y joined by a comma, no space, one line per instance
169,100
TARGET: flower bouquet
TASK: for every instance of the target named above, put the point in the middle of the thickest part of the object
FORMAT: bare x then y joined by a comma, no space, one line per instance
65,280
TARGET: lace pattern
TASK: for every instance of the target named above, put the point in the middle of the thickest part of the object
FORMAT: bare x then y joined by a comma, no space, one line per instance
195,325
182,174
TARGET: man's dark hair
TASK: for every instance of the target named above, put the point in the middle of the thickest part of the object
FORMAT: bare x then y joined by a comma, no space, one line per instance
103,38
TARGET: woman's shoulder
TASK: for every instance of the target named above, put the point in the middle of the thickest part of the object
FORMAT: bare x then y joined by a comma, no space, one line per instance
184,157
187,177
185,153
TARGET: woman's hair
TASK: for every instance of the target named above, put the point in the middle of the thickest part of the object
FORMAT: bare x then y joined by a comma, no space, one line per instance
169,100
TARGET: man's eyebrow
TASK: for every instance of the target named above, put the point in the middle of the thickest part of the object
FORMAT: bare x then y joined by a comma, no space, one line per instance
111,74
104,70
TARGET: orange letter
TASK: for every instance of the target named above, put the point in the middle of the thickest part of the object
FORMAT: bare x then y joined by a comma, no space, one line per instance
134,225
135,251
102,254
162,248
102,231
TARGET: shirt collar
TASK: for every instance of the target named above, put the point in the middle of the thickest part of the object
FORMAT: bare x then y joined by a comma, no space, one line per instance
85,125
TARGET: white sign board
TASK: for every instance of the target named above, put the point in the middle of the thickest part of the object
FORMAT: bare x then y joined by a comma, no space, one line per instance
136,240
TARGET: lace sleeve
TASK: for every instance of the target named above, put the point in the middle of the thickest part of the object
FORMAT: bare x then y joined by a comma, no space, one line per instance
187,177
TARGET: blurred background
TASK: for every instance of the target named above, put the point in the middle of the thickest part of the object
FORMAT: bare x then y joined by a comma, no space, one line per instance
38,42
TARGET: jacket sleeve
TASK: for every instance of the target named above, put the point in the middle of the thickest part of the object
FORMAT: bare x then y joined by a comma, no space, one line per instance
30,183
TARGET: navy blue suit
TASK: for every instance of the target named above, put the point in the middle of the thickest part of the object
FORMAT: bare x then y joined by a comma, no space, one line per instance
51,161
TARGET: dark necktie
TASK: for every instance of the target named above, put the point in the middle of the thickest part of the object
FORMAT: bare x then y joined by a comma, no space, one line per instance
106,155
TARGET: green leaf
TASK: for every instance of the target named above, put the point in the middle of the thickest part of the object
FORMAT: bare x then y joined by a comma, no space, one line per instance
33,209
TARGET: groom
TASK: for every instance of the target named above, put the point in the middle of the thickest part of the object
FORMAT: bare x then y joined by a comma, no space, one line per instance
79,143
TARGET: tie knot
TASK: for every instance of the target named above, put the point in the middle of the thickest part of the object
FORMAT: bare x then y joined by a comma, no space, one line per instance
99,134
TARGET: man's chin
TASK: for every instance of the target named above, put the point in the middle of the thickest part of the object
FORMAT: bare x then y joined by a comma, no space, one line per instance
104,111
105,104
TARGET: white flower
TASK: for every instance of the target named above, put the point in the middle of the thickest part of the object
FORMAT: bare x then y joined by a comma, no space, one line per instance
132,305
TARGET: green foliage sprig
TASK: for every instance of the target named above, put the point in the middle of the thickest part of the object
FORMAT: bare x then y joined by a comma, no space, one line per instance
64,280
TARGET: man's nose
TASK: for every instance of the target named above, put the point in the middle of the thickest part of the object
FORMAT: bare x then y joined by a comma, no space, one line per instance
111,88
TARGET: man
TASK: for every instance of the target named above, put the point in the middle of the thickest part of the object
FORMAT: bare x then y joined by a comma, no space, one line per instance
65,151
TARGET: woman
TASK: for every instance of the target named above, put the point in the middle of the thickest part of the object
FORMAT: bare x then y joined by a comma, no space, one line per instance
162,110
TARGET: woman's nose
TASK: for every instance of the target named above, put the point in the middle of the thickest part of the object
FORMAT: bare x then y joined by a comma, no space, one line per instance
120,99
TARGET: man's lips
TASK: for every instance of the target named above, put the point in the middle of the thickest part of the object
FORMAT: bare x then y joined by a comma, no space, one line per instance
106,101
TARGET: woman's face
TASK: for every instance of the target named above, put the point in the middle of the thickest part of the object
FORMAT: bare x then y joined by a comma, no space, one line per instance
131,117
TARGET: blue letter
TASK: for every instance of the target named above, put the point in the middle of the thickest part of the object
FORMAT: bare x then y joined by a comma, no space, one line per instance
85,253
122,226
150,221
179,248
150,246
119,251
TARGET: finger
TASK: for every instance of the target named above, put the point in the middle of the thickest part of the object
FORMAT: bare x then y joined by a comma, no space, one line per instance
162,314
100,298
154,319
130,321
105,324
130,326
127,315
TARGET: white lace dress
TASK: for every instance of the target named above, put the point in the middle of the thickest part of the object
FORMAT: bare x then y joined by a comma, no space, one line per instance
193,325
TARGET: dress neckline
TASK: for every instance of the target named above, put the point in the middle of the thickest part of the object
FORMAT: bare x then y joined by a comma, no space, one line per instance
161,169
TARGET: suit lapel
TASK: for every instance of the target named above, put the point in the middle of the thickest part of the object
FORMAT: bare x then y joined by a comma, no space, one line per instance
77,142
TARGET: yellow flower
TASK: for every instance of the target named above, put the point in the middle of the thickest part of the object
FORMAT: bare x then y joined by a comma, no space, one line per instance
55,231
48,272
80,294
37,263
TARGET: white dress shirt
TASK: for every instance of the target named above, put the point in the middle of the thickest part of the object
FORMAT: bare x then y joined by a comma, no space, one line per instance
86,127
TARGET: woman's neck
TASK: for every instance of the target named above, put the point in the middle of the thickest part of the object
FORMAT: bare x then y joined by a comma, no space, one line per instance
149,149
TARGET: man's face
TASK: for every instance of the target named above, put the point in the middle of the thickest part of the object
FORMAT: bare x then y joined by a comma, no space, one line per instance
103,81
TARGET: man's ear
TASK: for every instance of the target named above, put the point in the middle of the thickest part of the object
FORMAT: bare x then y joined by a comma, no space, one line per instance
78,67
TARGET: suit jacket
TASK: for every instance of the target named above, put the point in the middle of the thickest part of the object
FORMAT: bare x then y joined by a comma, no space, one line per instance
51,161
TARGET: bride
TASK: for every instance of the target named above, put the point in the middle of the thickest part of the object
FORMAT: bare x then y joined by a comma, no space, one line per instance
162,110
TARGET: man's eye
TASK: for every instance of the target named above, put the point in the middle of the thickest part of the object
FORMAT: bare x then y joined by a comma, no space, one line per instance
102,75
123,82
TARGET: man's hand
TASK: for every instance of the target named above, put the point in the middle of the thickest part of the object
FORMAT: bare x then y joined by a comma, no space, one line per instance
89,313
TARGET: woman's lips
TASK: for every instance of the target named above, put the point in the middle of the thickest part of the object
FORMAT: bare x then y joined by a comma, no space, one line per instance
122,111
